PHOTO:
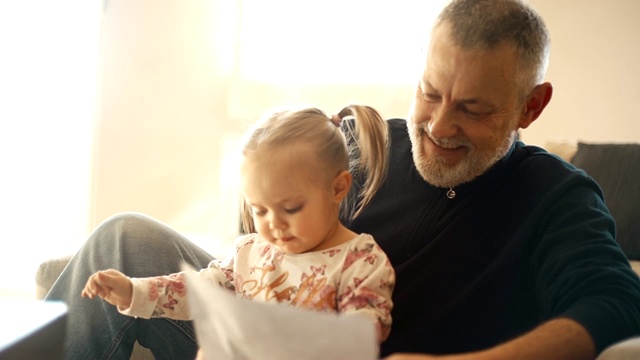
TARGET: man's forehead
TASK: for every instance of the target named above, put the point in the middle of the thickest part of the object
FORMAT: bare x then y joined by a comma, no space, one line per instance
482,89
447,62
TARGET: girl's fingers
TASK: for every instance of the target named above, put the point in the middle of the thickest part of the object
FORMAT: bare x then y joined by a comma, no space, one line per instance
94,286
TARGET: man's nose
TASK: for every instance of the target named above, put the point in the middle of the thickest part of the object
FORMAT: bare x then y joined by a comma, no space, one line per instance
442,122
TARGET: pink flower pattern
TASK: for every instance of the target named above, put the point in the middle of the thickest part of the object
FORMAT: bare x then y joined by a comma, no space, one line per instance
153,291
353,277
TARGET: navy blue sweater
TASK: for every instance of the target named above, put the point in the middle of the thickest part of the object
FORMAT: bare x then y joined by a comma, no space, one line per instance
528,241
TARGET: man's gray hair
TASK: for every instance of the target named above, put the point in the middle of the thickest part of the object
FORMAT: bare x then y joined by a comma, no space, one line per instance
489,23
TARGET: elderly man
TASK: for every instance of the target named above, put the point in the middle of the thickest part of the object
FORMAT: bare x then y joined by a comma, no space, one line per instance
502,251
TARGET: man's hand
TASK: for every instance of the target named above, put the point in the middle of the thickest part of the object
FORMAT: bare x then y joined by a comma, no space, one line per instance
111,285
408,357
557,339
402,356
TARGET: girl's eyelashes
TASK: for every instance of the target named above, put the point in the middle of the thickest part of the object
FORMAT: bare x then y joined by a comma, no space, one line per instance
259,212
262,212
293,210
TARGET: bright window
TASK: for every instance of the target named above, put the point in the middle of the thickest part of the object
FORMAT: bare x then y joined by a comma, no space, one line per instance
47,113
333,41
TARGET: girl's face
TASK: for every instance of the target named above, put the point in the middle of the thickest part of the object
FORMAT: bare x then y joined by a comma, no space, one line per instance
289,209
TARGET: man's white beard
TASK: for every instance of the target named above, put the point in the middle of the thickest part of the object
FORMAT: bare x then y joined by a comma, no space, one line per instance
435,170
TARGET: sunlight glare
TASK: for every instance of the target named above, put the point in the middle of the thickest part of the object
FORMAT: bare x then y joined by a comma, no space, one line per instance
353,41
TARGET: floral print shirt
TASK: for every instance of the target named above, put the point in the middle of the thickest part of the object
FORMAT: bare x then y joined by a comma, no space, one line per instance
353,277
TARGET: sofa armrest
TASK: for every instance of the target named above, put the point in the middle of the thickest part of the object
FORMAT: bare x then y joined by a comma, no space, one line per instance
625,350
48,273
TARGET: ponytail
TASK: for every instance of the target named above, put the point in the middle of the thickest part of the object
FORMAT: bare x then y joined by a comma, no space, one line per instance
368,145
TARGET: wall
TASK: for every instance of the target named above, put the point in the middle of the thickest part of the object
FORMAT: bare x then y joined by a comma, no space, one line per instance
594,69
162,114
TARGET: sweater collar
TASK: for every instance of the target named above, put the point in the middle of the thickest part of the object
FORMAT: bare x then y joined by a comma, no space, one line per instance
487,178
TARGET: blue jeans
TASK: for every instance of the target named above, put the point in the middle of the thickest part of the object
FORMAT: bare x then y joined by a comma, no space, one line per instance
138,246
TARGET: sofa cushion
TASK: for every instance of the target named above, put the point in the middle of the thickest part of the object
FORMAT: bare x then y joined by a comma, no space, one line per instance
616,168
48,273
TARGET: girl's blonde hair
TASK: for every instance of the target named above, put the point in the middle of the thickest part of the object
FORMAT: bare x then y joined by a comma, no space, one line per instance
359,144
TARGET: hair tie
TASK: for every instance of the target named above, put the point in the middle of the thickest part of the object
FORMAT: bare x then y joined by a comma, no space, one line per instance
336,120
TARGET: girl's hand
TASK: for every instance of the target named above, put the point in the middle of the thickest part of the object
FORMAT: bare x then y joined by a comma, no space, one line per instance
111,285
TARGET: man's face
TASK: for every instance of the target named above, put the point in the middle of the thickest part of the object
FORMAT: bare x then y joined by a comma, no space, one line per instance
465,112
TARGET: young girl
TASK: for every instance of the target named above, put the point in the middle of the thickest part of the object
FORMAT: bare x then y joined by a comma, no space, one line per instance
295,177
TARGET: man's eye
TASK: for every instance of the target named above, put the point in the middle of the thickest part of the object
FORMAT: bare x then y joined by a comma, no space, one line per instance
293,210
430,97
470,112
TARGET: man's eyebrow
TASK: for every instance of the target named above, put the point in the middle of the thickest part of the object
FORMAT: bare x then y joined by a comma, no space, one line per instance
476,101
472,101
468,101
430,86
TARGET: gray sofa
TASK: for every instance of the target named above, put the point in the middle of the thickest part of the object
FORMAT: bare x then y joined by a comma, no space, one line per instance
616,167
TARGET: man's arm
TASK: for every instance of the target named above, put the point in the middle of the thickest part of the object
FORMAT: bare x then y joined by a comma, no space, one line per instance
562,339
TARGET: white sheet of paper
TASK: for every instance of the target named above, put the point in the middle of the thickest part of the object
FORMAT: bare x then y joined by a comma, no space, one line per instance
233,328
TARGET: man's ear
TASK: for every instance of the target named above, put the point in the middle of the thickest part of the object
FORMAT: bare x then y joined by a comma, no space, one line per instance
535,103
341,185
